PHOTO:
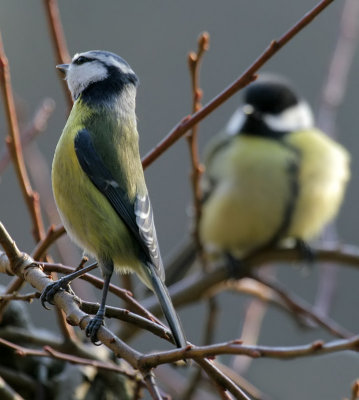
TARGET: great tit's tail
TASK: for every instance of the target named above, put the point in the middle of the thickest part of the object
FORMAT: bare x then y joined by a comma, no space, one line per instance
167,307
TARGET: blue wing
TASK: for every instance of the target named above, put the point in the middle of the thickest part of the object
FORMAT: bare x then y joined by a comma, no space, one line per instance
138,217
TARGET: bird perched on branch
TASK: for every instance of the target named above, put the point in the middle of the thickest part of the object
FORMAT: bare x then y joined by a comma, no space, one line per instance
99,185
271,175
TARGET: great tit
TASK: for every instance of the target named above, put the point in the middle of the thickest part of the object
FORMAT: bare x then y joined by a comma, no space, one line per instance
98,181
270,175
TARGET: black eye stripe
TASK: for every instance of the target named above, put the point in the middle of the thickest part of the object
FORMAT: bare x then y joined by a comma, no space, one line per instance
81,60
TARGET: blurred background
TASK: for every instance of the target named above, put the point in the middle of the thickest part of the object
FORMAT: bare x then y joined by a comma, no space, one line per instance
155,38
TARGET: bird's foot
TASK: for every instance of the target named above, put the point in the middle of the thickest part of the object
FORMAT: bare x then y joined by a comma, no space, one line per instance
50,290
234,266
306,252
93,326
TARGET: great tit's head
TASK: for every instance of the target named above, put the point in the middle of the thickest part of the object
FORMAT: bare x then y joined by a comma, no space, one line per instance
271,103
97,69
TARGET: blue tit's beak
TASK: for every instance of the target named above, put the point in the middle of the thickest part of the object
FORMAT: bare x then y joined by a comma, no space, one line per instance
63,68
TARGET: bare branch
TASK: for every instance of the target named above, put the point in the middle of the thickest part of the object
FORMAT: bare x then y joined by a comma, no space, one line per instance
194,63
236,347
58,40
36,126
13,141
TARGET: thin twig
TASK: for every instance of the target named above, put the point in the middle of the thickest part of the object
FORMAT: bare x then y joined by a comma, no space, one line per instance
316,348
223,382
152,386
36,126
48,351
248,76
22,297
58,40
194,63
209,333
53,233
298,306
333,92
13,141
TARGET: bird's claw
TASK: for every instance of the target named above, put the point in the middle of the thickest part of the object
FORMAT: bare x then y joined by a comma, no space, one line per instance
47,296
306,252
92,328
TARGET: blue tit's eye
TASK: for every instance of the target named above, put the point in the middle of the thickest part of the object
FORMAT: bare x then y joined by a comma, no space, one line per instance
81,60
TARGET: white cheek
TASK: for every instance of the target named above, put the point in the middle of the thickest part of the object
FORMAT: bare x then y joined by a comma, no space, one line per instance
296,118
235,123
79,77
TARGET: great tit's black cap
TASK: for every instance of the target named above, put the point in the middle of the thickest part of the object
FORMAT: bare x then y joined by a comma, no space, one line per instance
270,95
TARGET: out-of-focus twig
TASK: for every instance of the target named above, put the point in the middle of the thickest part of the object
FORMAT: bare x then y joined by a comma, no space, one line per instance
298,306
48,351
13,141
335,85
209,334
355,390
200,285
333,92
58,40
36,126
7,392
248,76
52,235
23,297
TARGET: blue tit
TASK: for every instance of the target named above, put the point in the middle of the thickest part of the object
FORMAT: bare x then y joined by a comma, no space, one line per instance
99,185
270,175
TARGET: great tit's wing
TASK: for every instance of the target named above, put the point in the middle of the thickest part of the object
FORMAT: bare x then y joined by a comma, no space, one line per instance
138,217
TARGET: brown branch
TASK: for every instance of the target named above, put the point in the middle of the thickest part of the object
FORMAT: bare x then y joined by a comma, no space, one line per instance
14,145
48,351
299,307
209,333
35,127
53,233
194,63
355,391
152,386
236,347
29,297
223,382
58,40
248,76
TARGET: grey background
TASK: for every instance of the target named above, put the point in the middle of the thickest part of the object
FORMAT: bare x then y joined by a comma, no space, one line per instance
154,37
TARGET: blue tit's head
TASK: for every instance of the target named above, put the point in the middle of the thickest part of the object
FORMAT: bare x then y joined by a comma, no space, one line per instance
271,107
98,75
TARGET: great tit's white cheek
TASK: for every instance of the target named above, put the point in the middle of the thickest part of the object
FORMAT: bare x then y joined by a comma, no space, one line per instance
235,123
298,117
